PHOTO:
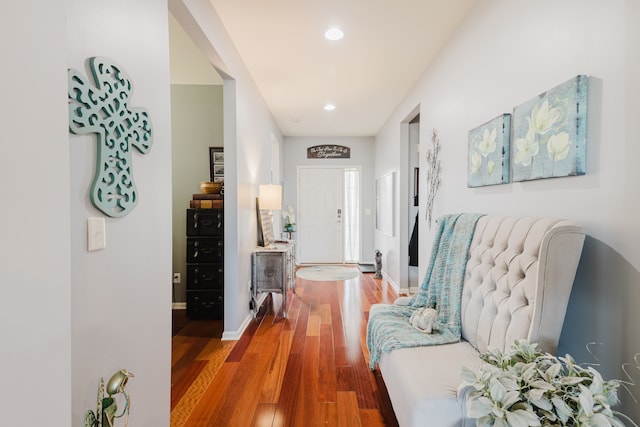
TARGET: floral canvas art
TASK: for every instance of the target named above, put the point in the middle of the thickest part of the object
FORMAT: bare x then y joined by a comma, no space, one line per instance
550,133
489,152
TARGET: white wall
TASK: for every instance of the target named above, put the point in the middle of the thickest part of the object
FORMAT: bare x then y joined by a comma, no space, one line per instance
71,316
35,320
196,125
248,132
187,63
362,154
391,156
505,53
121,296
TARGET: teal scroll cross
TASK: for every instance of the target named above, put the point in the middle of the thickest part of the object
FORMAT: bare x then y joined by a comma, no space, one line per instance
103,109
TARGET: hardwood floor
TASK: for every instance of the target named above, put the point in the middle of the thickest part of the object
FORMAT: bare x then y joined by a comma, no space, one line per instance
309,369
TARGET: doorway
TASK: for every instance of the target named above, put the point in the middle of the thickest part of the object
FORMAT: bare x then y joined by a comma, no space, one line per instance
329,215
414,197
197,103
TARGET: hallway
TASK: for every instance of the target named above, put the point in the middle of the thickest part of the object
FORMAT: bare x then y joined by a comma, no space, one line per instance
308,369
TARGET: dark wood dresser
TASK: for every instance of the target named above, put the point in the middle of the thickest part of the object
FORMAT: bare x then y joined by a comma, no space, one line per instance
205,263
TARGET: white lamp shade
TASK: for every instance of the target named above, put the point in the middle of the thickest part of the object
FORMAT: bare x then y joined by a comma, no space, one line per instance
270,197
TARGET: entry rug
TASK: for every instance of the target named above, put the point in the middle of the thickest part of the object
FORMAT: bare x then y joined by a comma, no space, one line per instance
327,273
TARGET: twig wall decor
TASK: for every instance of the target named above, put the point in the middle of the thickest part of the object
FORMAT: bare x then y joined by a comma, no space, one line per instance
433,173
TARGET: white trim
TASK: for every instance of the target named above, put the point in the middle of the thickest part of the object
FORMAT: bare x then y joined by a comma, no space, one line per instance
179,306
236,335
394,285
360,213
403,202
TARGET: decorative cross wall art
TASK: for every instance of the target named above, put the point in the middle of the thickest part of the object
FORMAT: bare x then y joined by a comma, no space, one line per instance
104,109
550,133
489,152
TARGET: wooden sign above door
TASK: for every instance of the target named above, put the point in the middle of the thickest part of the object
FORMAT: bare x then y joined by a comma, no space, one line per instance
329,152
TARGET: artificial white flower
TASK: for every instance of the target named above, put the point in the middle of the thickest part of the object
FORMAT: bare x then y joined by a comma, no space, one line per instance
288,216
558,146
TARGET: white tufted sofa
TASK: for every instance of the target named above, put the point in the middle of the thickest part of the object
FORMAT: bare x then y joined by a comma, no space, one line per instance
517,284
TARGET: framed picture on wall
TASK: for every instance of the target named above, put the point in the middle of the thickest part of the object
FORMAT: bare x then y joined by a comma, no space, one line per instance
550,133
265,226
216,164
416,186
488,154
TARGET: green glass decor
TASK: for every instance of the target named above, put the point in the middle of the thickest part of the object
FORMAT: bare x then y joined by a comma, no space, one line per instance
104,109
289,219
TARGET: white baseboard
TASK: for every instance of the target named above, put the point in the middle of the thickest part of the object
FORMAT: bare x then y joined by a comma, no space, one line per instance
237,334
179,306
393,284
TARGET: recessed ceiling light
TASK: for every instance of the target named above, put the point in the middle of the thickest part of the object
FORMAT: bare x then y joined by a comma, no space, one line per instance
334,34
329,107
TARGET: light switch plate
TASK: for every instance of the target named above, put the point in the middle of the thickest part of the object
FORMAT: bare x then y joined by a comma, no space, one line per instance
96,234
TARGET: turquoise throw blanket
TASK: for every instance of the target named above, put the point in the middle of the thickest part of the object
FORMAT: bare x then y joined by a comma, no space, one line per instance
389,328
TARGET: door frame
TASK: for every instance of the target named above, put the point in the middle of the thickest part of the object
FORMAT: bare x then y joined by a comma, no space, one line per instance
405,197
360,215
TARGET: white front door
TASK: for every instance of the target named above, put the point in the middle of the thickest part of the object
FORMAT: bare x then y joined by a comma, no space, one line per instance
320,196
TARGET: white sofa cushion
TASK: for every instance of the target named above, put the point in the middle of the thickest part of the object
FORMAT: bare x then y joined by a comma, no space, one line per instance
424,383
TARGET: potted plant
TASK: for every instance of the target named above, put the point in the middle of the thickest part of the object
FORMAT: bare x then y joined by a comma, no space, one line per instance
526,387
288,219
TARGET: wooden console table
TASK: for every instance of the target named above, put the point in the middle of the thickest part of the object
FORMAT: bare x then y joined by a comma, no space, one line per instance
273,270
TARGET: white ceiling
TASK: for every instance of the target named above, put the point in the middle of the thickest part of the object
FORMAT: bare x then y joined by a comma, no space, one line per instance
388,44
